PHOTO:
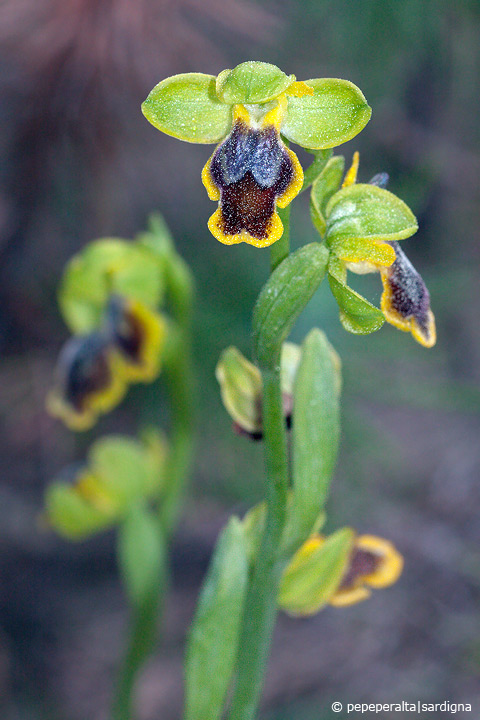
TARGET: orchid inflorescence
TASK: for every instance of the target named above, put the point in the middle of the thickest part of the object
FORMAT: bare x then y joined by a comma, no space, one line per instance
112,298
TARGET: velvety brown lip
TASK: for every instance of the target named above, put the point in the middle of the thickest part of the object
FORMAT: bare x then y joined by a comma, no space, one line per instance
251,168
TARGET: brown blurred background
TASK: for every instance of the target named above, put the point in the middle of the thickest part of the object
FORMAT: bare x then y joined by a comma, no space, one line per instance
80,162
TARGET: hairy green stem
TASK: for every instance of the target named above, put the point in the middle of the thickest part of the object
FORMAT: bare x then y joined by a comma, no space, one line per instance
261,601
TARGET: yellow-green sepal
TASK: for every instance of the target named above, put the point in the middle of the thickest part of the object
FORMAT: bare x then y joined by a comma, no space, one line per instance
326,184
73,515
335,113
252,82
315,573
357,315
241,389
128,468
363,212
187,107
106,266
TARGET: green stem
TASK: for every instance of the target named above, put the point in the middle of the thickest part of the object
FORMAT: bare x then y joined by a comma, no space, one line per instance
143,636
179,377
261,600
315,168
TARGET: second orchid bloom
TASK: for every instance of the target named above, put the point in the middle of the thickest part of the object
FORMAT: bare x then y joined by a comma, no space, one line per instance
94,370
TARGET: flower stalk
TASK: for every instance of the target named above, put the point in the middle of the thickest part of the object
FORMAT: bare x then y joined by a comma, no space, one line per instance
261,600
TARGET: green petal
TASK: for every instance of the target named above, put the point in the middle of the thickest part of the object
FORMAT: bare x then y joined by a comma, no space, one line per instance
187,107
323,188
103,267
252,82
335,113
360,250
364,211
357,315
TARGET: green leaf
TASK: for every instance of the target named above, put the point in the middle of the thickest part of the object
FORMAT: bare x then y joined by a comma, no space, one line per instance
357,315
102,268
213,641
316,431
323,188
141,554
252,82
367,212
187,107
335,113
72,515
283,298
314,575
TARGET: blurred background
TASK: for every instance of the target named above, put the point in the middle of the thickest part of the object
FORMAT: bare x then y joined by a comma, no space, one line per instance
79,161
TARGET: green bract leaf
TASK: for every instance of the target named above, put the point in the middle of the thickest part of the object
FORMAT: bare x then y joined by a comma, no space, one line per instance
187,107
283,298
323,188
213,641
72,515
313,577
252,82
108,266
141,554
367,212
357,315
316,429
335,113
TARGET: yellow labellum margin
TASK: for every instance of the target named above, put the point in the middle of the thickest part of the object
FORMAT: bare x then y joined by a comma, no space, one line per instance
138,335
406,301
251,173
374,562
